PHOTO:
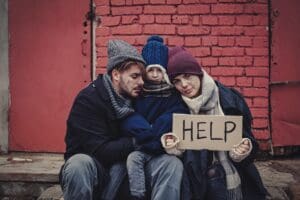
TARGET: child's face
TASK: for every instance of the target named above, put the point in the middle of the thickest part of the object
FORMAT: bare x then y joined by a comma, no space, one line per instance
155,74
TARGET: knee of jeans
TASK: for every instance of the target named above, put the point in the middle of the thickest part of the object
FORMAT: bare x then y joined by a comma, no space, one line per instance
134,158
80,164
173,164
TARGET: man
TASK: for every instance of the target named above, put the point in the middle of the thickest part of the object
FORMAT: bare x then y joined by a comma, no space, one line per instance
95,148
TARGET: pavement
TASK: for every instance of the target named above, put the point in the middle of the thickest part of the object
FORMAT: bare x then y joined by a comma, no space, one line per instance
35,176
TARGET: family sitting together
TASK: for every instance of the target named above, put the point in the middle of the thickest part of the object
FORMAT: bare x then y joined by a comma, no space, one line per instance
119,141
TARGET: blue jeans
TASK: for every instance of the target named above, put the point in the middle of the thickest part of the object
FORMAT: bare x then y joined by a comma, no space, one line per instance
80,178
216,183
136,162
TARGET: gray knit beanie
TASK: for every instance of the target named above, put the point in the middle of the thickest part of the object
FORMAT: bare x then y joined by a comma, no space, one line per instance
119,51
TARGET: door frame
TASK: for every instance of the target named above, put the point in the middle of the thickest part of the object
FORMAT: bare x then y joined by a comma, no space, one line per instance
4,76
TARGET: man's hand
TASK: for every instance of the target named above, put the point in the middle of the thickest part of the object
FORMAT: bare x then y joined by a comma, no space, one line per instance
169,141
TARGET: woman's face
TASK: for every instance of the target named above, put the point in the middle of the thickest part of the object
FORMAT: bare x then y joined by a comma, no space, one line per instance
188,85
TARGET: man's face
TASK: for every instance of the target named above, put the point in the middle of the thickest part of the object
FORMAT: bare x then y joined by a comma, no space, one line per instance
188,85
155,74
129,83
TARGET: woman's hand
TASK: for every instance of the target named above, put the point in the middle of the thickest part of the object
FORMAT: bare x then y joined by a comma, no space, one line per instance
240,151
170,142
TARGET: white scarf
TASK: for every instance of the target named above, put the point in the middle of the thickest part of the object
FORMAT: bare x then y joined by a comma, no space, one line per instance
209,103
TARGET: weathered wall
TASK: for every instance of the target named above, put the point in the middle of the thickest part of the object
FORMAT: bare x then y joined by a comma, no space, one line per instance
228,37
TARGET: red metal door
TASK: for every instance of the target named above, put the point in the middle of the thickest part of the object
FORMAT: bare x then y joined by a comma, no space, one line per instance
49,61
285,73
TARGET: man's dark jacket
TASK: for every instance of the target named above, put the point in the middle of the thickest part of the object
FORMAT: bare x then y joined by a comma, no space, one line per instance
93,129
196,163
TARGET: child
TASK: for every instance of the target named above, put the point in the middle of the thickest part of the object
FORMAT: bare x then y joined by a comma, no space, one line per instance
153,116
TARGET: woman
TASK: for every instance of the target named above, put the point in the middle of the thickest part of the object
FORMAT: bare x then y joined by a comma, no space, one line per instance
214,174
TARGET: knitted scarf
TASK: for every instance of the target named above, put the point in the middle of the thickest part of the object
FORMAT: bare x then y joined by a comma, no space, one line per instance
208,103
121,105
162,89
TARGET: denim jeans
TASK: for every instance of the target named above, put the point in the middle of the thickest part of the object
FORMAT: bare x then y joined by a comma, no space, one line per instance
216,183
80,178
136,162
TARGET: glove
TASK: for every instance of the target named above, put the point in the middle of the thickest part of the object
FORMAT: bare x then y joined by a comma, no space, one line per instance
170,142
240,151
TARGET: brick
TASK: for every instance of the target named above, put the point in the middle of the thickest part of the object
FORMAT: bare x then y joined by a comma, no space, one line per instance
102,10
180,19
243,41
226,1
193,9
102,41
209,1
174,2
260,123
102,31
134,29
129,10
195,20
227,9
192,41
244,81
157,1
255,92
244,61
257,71
261,134
200,51
209,20
163,19
209,41
129,2
100,70
141,40
244,20
193,30
261,62
264,145
118,2
257,51
110,21
226,71
260,102
227,51
260,42
129,19
101,2
255,8
256,31
102,61
175,40
225,41
209,61
261,20
101,52
227,61
226,20
146,19
248,101
140,2
129,39
260,112
190,1
228,81
159,9
226,30
159,29
261,82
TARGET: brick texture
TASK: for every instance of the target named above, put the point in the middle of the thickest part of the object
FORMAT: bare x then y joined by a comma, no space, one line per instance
228,37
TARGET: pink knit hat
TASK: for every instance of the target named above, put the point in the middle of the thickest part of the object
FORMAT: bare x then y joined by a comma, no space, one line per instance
182,62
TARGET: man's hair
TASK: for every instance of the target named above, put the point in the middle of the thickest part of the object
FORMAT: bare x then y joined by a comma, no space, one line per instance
123,66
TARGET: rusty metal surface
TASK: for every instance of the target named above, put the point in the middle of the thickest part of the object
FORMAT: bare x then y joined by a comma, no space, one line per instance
49,64
285,73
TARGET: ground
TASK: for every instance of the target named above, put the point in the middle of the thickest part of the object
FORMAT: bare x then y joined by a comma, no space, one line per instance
28,175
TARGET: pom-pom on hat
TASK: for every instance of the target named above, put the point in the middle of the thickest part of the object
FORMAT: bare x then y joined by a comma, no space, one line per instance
182,62
119,51
155,52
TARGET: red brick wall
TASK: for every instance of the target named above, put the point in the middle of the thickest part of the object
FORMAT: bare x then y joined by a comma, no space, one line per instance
228,37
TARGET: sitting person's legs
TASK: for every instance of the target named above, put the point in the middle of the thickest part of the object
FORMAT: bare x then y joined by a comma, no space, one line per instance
79,177
163,177
216,184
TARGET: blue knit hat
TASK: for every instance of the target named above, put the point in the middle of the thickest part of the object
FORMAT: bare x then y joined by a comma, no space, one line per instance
155,52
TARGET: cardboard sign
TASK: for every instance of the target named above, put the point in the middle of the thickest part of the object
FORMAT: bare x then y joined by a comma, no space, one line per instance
212,132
